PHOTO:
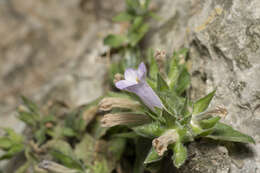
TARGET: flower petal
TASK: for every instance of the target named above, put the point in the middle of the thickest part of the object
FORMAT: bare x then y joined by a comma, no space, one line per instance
131,75
147,95
141,72
122,84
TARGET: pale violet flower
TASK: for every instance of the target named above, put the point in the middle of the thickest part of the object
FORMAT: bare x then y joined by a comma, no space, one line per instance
135,82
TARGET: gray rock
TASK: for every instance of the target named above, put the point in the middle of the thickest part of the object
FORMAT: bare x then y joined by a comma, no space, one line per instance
223,37
206,157
51,50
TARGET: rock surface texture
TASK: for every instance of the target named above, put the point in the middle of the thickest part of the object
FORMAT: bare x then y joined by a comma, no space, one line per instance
224,40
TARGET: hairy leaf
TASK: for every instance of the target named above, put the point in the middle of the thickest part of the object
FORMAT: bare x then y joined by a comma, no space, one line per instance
150,130
183,81
203,103
161,84
209,123
179,154
152,157
227,133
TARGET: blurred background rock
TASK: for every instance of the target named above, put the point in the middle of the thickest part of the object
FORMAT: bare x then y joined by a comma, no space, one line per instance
50,49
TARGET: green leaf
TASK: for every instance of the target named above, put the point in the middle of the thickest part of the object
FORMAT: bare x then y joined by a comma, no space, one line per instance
40,135
13,136
138,21
169,119
182,53
115,41
179,154
173,72
5,143
209,123
130,135
206,132
116,148
74,123
133,4
56,132
161,84
80,124
152,83
135,37
152,157
227,133
146,4
61,146
186,112
153,67
175,69
15,149
196,129
173,103
97,130
30,105
203,103
184,134
63,153
66,160
68,132
109,156
154,16
28,118
124,16
151,130
183,81
48,118
85,149
100,167
199,132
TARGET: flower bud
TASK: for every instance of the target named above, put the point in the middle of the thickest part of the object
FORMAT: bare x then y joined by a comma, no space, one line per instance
132,119
160,57
109,103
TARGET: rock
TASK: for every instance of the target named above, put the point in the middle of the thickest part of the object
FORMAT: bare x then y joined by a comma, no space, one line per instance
206,157
223,37
51,50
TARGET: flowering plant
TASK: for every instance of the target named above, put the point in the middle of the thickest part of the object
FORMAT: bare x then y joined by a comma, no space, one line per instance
165,113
